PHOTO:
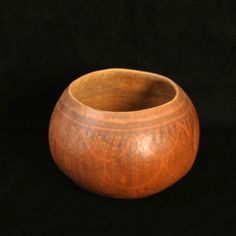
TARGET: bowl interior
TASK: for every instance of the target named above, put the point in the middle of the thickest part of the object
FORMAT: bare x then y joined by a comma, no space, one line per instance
122,91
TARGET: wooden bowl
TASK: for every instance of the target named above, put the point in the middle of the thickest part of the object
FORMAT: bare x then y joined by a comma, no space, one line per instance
124,133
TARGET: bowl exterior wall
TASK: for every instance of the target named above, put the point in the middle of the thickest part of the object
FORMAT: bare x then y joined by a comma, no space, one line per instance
120,156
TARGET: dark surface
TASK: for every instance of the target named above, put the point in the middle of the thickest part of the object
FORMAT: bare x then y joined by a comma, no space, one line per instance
44,45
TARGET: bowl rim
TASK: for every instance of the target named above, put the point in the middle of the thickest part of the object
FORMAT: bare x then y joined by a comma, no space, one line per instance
150,109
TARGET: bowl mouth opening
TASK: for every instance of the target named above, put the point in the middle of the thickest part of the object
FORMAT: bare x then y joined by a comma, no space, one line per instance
119,90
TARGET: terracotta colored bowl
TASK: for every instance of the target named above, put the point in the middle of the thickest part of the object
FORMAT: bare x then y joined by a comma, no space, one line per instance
124,133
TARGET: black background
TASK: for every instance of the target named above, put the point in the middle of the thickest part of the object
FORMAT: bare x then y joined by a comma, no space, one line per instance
45,45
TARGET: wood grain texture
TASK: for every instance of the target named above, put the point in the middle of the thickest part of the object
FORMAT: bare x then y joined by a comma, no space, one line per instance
124,133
